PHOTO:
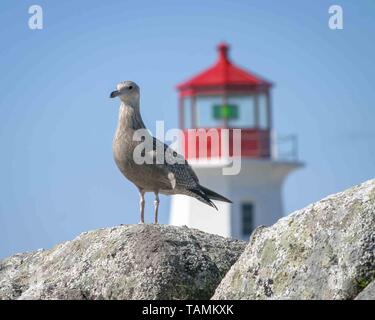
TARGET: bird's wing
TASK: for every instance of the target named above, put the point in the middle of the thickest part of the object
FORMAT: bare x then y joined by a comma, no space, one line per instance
177,169
180,175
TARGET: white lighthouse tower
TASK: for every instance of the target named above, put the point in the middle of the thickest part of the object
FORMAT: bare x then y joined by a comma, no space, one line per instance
227,97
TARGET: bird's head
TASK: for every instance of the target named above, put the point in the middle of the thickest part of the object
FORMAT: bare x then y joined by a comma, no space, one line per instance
127,91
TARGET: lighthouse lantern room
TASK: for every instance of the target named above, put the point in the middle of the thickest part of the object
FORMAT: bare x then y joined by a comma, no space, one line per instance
226,96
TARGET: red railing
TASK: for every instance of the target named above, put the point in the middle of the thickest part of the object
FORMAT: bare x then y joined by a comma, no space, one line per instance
207,143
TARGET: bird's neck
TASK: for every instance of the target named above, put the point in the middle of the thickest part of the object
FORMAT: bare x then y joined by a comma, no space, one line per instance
129,118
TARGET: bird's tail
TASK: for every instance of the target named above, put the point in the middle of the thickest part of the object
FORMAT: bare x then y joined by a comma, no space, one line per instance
214,196
205,195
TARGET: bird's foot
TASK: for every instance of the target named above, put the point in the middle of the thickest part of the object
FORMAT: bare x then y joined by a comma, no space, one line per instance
141,222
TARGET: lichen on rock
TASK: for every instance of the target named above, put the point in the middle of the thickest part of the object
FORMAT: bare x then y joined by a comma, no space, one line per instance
324,251
126,262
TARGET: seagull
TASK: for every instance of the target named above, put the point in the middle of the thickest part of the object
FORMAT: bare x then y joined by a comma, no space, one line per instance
160,178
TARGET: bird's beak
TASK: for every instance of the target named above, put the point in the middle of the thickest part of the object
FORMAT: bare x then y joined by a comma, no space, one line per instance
114,94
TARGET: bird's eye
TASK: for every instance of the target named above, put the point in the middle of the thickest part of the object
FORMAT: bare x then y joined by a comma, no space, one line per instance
130,87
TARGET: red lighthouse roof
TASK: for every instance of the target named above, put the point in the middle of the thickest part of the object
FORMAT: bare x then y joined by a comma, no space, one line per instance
222,77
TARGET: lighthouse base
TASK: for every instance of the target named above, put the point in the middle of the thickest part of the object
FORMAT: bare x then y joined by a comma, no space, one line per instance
255,192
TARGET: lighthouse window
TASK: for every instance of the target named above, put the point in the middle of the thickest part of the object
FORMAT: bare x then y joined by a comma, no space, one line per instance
244,113
263,116
187,113
247,218
205,119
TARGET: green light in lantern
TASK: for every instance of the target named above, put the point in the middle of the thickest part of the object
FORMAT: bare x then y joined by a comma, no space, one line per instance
225,111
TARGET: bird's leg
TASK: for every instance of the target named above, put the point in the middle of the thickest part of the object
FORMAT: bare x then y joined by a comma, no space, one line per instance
156,205
142,205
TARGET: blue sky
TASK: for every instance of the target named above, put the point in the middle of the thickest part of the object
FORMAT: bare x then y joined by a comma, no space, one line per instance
57,175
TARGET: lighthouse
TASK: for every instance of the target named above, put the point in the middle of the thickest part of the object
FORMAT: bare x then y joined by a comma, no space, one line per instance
225,98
